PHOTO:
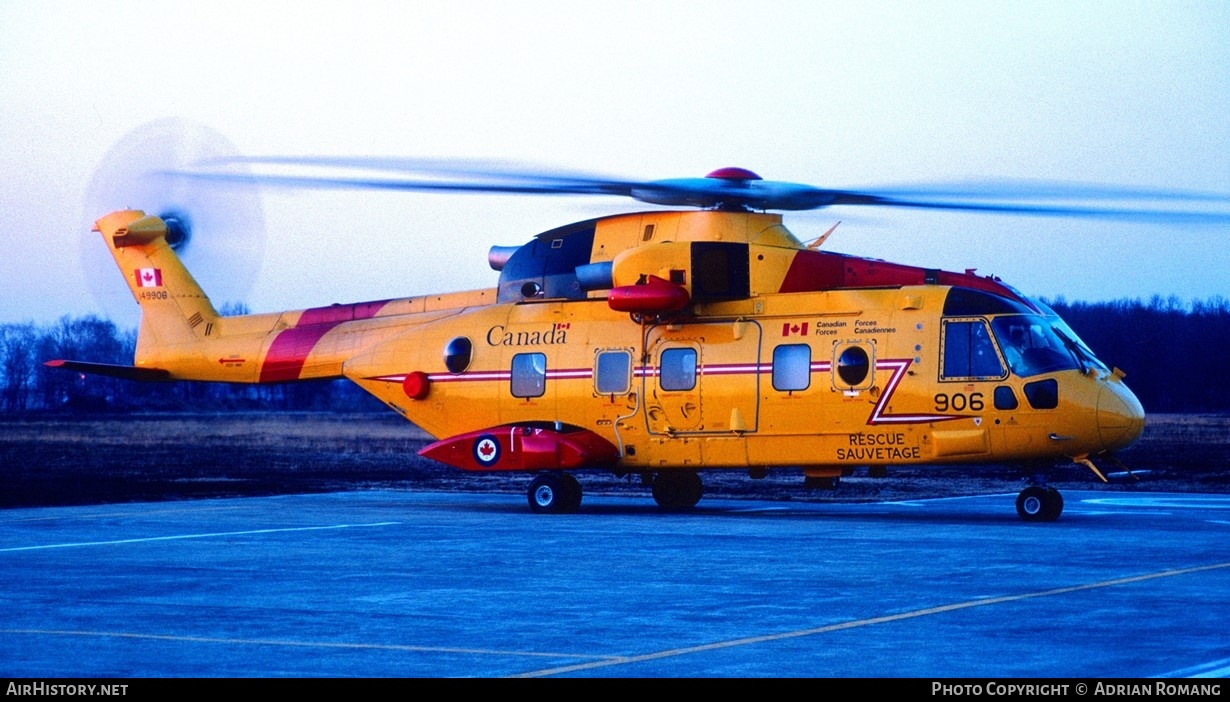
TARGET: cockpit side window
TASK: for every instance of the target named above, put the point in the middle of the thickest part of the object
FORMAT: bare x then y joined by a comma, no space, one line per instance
969,353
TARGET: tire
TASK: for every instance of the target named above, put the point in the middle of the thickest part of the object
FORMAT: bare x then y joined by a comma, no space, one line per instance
1054,504
554,493
677,490
822,483
572,491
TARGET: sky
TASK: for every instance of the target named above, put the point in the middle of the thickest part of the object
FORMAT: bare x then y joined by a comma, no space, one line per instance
833,94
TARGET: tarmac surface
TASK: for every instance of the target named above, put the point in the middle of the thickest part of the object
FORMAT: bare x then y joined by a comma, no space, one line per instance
392,584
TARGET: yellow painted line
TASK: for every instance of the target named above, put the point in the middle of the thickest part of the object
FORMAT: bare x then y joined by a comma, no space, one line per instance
1167,501
1212,669
302,644
178,537
866,622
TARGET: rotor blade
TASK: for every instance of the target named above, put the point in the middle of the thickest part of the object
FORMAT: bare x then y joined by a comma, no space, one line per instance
1002,189
1042,209
422,175
438,166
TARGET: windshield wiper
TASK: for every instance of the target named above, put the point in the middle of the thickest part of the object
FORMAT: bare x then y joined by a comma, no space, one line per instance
1074,348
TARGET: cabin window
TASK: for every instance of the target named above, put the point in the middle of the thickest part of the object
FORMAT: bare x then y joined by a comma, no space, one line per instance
853,365
791,367
1043,394
613,372
457,354
969,353
1005,399
529,375
677,368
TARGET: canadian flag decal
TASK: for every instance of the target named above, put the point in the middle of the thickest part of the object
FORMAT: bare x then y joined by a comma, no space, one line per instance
149,277
789,329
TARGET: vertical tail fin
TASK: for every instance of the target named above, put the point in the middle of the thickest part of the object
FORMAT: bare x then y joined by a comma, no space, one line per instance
174,309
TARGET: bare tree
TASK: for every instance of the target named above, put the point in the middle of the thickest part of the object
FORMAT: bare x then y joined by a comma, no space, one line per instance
18,359
90,338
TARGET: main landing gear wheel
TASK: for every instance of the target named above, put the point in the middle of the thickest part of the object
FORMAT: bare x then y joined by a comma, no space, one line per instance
555,493
677,490
1039,504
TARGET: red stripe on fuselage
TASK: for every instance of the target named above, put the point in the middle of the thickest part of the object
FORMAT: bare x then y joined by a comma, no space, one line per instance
290,348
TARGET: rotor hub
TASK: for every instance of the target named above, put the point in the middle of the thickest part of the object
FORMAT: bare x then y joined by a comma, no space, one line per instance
179,229
733,173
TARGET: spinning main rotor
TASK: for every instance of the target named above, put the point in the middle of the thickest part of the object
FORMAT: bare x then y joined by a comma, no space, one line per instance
195,179
725,188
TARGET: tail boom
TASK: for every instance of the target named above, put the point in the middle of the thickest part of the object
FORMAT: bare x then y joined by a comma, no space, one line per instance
182,337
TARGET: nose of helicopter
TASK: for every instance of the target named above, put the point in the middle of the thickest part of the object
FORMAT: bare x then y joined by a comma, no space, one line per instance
1121,419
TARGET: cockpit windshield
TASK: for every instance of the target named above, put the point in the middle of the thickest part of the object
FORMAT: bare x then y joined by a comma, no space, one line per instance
1080,348
1034,344
1062,327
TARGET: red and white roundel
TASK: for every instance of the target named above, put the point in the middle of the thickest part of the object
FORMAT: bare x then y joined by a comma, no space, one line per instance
486,450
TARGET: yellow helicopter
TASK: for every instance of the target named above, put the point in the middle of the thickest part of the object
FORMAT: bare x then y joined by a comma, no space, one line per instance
664,343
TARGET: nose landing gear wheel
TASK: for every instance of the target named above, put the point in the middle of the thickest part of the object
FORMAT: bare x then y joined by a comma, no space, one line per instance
1039,504
554,493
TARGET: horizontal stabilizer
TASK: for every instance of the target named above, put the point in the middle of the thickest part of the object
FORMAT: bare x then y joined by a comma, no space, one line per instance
112,370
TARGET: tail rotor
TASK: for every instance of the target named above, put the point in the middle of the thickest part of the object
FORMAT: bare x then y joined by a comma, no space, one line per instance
217,231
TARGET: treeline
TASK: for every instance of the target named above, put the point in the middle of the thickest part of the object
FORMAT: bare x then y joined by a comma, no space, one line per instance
1174,355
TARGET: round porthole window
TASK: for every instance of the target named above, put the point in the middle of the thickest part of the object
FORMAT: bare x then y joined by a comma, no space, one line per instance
457,354
853,365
